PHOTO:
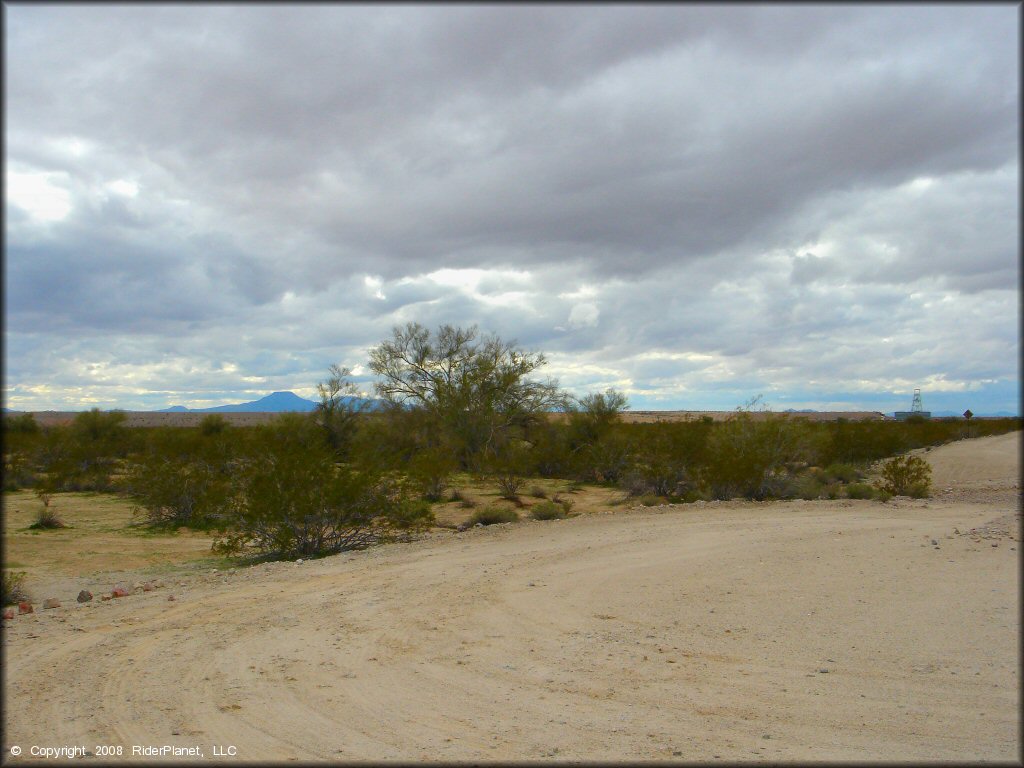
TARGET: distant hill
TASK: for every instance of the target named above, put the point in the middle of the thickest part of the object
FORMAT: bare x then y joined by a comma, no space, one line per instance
278,402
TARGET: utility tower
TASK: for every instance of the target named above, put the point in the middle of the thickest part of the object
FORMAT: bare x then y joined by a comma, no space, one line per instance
916,409
916,406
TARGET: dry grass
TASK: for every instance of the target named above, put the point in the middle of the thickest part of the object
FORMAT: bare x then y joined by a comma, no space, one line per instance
101,535
587,499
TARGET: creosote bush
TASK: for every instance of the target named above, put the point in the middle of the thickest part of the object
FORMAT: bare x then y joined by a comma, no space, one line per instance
860,491
548,510
14,588
907,476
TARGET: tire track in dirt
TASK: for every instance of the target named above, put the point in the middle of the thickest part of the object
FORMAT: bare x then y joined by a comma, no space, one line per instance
639,635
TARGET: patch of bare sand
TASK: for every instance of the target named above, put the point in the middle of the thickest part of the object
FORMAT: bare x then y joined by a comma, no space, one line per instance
786,631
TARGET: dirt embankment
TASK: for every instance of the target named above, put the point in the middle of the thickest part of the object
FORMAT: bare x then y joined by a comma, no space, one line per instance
812,631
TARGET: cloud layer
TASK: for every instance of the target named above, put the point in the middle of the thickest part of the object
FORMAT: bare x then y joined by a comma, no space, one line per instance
693,204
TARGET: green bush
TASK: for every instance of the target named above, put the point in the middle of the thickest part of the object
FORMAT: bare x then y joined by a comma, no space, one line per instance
537,492
493,516
566,504
860,491
213,424
748,457
14,588
907,476
808,487
548,510
430,469
183,477
844,473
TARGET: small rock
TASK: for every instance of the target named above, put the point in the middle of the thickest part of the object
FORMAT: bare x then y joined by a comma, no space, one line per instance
25,607
996,544
51,602
299,561
171,598
823,671
765,736
934,542
106,597
8,613
84,596
147,587
120,590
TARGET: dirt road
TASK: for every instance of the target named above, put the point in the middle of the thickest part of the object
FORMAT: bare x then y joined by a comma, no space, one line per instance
806,631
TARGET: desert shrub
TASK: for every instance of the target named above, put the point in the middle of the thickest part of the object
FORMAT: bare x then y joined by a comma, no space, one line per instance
18,472
409,518
465,501
548,510
565,504
430,469
23,423
212,424
748,457
537,492
14,588
47,519
510,467
907,476
860,491
807,487
493,515
606,460
844,473
299,503
183,477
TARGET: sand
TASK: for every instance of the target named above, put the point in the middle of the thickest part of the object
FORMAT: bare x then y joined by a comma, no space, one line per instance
789,631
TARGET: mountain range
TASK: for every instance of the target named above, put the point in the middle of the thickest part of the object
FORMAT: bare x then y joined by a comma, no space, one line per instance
277,402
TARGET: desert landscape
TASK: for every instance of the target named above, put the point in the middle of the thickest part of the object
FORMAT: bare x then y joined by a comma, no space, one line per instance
780,631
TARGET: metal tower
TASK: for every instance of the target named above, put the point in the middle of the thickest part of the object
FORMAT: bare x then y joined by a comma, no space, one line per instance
916,406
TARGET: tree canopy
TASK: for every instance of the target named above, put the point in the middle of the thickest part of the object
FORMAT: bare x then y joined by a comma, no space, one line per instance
476,387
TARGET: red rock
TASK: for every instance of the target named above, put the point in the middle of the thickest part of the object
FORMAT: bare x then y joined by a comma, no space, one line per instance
25,607
8,613
120,590
84,596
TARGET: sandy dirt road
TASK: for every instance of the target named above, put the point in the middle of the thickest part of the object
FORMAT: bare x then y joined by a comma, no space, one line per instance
807,631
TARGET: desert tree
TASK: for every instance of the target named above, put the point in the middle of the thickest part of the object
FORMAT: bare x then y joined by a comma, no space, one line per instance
476,388
592,416
338,409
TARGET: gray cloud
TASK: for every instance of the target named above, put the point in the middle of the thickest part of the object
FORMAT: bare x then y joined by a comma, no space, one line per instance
275,186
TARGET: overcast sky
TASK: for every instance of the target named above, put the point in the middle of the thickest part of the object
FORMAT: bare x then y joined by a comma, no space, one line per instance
692,204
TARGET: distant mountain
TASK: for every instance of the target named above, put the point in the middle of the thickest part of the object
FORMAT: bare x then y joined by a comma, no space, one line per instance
278,402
